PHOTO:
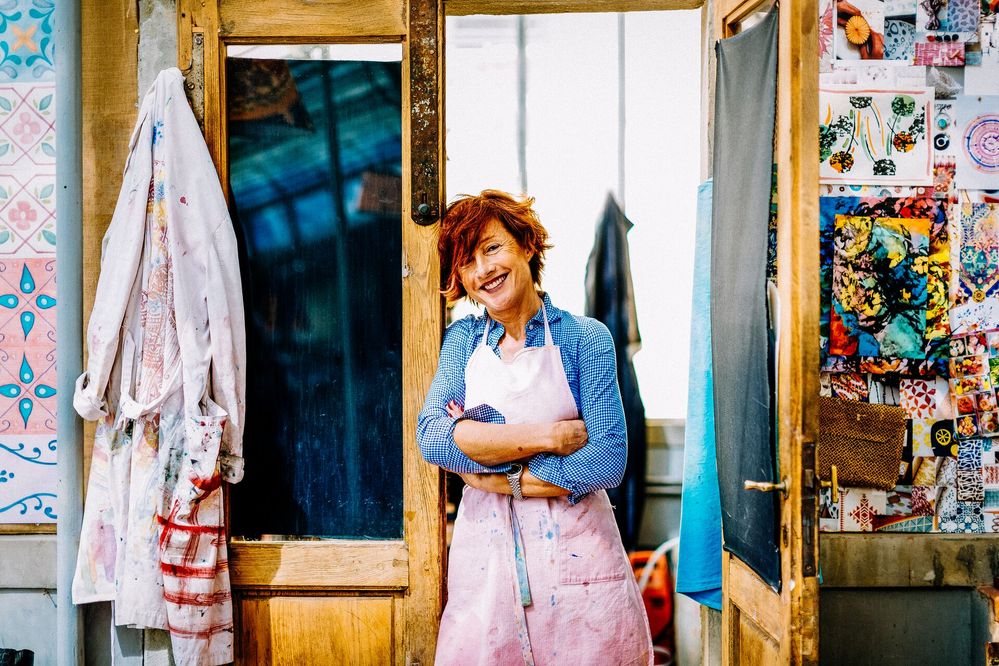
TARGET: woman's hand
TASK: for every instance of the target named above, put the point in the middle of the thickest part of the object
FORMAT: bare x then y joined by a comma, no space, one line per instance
531,486
568,436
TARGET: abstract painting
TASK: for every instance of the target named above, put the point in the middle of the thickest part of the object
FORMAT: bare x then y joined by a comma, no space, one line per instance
879,287
936,352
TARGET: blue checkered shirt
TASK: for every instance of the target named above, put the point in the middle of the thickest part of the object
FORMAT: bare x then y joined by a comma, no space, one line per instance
590,366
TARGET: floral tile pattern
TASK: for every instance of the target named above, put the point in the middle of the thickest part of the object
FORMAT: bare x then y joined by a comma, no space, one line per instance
27,263
26,44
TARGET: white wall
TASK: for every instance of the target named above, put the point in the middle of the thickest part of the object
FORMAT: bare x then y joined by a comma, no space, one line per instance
572,155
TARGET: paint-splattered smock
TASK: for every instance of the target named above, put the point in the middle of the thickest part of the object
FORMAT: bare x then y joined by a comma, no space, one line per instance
541,580
165,381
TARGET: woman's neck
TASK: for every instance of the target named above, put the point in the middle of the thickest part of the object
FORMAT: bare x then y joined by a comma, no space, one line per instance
514,319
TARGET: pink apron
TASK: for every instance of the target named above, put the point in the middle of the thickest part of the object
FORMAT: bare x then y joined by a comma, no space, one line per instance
537,582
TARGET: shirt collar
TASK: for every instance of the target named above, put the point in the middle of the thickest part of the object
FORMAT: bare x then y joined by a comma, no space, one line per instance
554,314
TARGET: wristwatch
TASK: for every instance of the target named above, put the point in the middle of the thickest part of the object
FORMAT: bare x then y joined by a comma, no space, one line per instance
513,478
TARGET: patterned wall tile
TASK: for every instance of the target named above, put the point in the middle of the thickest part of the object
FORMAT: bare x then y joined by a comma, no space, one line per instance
27,263
27,479
26,46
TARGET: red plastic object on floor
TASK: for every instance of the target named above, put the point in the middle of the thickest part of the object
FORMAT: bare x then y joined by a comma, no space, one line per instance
658,598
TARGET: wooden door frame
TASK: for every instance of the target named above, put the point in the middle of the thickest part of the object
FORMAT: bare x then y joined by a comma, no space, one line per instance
791,615
410,569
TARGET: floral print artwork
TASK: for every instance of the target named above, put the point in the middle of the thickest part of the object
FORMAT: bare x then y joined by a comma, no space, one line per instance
879,287
874,136
934,360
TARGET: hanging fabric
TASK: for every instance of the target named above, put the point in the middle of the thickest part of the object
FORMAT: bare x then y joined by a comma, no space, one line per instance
165,381
699,570
745,99
610,298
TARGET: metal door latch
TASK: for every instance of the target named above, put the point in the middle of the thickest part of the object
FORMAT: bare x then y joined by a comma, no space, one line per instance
832,484
767,486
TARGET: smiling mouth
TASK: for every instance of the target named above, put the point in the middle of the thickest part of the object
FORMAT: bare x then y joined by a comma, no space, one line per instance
494,284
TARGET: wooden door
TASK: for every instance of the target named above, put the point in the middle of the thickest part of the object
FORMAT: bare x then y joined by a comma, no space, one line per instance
324,119
759,625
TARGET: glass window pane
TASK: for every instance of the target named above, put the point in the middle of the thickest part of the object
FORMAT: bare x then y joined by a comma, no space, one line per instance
315,164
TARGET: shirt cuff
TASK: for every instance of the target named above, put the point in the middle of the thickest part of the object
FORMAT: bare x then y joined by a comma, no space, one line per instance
546,467
459,462
85,401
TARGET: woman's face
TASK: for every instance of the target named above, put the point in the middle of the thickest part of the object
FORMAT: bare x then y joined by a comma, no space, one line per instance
499,274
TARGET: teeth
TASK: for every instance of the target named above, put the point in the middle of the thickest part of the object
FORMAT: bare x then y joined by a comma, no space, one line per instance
494,283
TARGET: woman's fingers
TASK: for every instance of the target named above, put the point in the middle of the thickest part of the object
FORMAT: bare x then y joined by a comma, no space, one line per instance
454,410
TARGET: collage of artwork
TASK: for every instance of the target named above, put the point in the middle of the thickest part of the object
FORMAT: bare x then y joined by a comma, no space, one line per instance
909,251
27,263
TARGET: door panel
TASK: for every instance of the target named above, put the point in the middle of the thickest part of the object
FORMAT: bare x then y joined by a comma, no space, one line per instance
336,542
308,630
760,626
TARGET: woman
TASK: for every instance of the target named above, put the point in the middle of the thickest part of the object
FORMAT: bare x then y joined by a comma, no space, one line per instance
525,406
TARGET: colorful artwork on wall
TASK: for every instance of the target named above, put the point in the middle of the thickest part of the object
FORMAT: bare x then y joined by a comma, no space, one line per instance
975,297
934,358
873,136
978,154
879,287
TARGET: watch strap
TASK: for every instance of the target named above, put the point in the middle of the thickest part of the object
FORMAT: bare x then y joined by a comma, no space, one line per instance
513,478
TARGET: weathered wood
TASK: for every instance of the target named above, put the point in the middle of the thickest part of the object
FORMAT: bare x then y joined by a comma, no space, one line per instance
709,35
341,563
262,571
797,144
423,324
109,100
908,560
304,19
790,618
798,281
309,630
27,528
466,7
754,599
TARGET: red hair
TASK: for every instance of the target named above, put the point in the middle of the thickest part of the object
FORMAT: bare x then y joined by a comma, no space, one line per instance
462,226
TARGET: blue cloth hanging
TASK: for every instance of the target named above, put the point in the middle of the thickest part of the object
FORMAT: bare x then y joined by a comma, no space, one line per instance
699,574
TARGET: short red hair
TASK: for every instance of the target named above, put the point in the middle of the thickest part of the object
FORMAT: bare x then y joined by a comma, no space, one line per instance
462,225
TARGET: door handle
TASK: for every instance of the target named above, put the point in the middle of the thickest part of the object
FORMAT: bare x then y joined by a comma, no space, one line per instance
766,486
832,484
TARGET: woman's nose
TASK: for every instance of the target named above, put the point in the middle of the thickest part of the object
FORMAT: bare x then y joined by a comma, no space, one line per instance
482,266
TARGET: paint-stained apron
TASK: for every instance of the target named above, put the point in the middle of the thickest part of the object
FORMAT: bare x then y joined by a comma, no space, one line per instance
537,581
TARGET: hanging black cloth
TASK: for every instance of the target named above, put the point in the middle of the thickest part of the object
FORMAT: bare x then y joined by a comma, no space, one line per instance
745,100
610,298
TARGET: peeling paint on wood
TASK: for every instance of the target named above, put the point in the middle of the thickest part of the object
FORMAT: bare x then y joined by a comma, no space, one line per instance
424,109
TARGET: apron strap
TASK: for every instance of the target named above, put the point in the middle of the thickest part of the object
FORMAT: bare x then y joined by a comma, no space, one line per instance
485,334
549,341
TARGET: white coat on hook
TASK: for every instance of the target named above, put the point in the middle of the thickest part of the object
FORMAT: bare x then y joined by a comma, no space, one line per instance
165,379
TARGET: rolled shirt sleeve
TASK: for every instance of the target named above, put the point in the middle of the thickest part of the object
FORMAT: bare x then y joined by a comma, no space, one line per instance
601,462
435,427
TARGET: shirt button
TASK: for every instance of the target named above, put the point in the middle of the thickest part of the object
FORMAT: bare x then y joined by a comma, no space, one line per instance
530,327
